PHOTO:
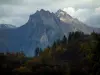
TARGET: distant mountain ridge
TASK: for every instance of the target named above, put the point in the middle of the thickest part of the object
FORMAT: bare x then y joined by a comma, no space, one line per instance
6,26
41,30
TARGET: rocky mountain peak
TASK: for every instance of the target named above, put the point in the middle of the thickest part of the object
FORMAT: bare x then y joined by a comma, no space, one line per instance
40,15
41,12
61,13
63,16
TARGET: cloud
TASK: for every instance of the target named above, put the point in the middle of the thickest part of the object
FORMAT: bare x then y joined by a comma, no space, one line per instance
14,20
81,14
70,11
10,2
17,11
89,16
94,21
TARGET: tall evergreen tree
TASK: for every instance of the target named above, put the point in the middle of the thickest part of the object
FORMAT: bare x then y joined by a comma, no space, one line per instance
64,40
37,50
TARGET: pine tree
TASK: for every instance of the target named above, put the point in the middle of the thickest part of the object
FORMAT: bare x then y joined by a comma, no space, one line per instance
64,40
37,50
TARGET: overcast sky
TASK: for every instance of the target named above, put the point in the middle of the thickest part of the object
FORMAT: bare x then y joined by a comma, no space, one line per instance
17,12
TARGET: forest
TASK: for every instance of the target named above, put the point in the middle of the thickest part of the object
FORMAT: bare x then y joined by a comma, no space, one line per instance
77,54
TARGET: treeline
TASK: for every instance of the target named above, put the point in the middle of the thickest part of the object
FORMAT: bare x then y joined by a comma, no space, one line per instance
79,54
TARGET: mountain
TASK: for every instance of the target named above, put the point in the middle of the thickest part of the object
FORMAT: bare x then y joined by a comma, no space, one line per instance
73,24
41,30
6,26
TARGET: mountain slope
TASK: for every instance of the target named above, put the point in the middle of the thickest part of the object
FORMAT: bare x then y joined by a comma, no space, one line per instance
41,30
73,24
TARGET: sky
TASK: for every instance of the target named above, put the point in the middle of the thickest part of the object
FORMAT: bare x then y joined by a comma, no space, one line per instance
16,12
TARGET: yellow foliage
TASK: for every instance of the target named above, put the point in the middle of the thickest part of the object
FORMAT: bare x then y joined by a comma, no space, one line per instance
46,56
23,69
34,60
60,49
